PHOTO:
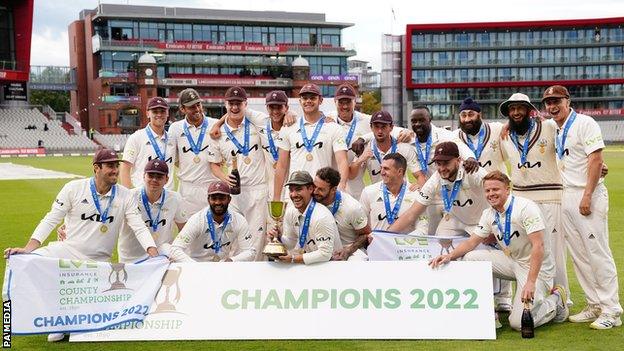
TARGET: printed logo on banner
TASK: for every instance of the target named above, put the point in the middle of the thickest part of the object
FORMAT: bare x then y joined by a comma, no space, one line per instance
118,269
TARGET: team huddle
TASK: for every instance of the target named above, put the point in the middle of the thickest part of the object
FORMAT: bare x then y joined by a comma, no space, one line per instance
524,221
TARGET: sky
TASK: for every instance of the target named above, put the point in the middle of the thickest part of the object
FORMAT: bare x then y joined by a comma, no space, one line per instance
50,44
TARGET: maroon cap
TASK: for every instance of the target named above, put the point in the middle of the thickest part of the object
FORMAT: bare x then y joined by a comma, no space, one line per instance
105,155
235,94
345,91
556,91
218,187
381,117
310,88
277,97
446,151
157,102
157,165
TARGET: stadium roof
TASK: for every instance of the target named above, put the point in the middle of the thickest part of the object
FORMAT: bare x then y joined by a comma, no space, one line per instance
182,14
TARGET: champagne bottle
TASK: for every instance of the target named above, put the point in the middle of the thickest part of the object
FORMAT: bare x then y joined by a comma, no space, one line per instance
235,190
527,327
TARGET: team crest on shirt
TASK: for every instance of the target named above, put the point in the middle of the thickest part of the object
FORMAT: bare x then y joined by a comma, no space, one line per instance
494,145
542,145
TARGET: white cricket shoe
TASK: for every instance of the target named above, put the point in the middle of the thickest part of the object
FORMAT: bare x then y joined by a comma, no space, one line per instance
589,314
606,321
54,337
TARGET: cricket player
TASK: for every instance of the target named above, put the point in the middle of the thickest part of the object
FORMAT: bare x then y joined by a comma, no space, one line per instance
151,142
518,227
585,207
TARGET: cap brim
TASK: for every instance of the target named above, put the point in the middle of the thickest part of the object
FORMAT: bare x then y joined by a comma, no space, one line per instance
235,98
219,192
504,107
191,103
444,158
350,97
309,92
158,106
107,160
156,172
297,183
276,103
384,122
555,97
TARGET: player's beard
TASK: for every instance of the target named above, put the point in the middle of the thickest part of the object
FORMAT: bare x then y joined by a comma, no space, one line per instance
219,210
472,127
520,128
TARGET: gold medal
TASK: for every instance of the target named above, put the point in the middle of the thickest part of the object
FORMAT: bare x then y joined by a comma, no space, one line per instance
196,159
247,160
103,228
562,165
309,157
274,165
216,258
506,251
447,216
523,170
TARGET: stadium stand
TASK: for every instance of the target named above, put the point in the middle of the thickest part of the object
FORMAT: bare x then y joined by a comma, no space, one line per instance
15,133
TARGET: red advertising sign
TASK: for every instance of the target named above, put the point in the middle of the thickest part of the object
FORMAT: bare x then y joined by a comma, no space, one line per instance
221,47
603,112
23,151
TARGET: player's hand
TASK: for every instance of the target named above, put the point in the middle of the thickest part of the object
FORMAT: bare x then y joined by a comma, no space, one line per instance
585,206
342,186
329,119
273,234
366,155
440,260
471,165
370,238
358,146
290,118
61,232
285,258
231,180
14,251
491,239
413,187
405,136
215,130
505,131
152,251
227,259
342,254
528,292
604,171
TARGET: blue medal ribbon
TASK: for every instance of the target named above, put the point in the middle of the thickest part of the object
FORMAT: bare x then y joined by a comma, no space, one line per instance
96,200
272,147
337,202
524,149
148,208
305,227
243,149
449,198
160,154
309,143
196,148
392,214
478,149
560,142
216,242
351,131
507,232
393,148
423,159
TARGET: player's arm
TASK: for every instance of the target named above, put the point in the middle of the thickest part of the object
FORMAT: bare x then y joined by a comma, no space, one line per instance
421,178
135,222
245,244
408,218
461,249
359,162
360,241
218,172
535,264
594,169
125,167
343,168
281,169
325,232
60,207
215,130
31,246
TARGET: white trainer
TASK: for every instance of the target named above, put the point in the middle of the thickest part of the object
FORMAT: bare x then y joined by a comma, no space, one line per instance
54,337
562,307
589,314
606,321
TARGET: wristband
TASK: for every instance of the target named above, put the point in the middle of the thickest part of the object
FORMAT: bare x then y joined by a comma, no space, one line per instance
292,259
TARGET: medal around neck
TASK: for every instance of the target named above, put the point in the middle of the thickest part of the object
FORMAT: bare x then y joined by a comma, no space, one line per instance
274,248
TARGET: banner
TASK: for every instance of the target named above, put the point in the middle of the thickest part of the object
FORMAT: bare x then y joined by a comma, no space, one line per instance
389,246
332,300
23,151
60,295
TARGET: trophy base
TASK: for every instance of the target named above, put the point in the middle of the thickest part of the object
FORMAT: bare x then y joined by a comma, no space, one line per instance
275,249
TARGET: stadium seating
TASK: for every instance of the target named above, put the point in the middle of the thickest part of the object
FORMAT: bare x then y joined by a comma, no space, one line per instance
14,133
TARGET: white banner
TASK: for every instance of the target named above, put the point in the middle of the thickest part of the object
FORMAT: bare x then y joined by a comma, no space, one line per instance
333,300
61,295
389,246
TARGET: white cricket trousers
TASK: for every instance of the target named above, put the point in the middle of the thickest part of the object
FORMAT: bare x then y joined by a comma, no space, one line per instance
252,203
588,242
194,197
552,222
544,306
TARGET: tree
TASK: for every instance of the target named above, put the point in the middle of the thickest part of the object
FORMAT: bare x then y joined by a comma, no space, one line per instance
371,102
57,100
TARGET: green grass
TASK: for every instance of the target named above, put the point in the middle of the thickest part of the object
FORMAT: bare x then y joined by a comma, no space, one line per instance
25,202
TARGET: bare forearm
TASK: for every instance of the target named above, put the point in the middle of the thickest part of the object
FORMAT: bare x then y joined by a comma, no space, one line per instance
407,218
466,246
594,168
218,172
124,174
535,264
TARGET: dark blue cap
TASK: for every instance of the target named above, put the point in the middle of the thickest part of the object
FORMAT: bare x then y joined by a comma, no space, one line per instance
469,104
